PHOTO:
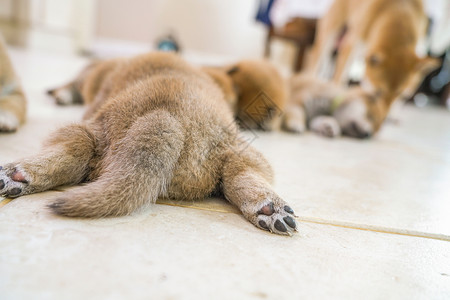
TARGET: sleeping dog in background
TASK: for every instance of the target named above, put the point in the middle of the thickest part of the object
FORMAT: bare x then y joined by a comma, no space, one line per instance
154,127
331,110
255,91
12,98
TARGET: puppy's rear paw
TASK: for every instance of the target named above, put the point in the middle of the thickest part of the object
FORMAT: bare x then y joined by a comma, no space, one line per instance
64,95
8,122
13,182
275,216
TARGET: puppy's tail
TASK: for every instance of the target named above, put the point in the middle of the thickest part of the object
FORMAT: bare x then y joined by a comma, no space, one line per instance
136,174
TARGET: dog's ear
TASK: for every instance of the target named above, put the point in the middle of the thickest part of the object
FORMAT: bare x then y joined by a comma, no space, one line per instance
427,64
374,59
232,70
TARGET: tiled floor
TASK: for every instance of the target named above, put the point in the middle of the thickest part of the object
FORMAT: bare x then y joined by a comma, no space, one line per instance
374,221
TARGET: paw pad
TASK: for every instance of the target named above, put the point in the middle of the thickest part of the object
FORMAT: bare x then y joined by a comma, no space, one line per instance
13,182
267,209
14,191
280,226
276,217
18,176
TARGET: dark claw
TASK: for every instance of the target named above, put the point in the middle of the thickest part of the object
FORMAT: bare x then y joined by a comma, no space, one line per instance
15,191
288,209
267,209
280,226
263,224
290,222
2,184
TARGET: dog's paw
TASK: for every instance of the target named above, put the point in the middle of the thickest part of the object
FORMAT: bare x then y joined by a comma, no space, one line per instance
8,122
13,182
294,126
63,95
325,126
274,215
294,120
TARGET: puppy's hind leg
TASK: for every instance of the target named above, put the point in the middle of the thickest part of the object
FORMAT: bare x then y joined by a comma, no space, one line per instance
66,95
70,93
136,170
246,176
64,160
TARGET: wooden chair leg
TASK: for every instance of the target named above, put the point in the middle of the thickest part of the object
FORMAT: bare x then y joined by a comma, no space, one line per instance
268,41
300,57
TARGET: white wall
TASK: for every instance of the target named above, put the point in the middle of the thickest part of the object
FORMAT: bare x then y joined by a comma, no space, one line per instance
224,27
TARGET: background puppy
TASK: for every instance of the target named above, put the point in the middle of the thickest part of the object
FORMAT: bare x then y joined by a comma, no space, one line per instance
386,32
156,127
12,98
259,89
223,80
331,110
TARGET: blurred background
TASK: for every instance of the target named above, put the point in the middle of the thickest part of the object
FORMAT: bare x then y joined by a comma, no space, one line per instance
207,31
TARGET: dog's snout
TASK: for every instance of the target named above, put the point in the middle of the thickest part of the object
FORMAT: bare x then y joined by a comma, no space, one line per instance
365,135
358,132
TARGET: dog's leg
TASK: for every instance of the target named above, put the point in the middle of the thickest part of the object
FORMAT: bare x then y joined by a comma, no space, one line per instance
12,111
344,58
12,99
64,160
326,126
328,30
294,119
246,176
67,94
137,170
71,92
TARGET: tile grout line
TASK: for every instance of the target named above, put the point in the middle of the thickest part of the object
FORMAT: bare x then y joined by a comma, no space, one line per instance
381,229
5,201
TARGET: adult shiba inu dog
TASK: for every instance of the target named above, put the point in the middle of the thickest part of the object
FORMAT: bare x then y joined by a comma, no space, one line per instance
12,98
386,32
255,90
332,110
155,127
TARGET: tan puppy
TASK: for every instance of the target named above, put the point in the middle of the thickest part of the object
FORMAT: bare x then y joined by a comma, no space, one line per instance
12,98
260,91
160,128
332,110
223,80
386,32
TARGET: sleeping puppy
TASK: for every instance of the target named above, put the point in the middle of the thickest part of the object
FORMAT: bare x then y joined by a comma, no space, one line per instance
255,90
12,98
155,127
331,110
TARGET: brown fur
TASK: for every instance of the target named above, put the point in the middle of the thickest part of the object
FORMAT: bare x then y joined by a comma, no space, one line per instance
12,98
389,30
260,91
357,114
160,128
224,81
